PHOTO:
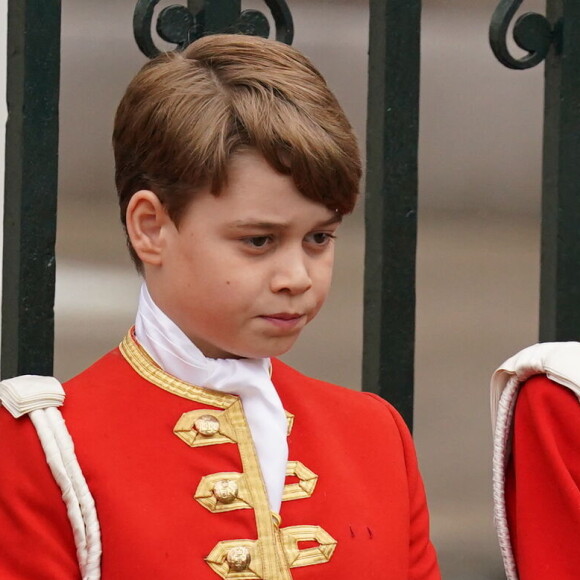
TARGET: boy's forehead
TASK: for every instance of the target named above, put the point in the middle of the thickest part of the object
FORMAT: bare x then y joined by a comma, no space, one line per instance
256,192
244,208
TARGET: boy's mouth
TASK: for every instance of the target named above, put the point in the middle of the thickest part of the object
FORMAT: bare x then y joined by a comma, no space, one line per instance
284,319
283,316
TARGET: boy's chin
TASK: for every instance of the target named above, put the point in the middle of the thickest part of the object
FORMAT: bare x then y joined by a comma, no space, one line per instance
266,352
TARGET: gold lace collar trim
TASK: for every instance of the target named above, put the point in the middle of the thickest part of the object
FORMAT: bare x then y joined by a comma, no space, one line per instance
146,367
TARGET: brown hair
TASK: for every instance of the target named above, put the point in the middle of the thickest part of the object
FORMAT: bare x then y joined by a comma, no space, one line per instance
185,114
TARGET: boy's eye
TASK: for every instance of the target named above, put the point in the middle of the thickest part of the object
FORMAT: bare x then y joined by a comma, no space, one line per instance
257,241
320,238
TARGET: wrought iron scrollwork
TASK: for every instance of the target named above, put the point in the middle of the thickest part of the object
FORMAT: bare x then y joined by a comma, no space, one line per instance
532,32
181,25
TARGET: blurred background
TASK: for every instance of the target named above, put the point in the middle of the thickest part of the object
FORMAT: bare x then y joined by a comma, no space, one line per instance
478,253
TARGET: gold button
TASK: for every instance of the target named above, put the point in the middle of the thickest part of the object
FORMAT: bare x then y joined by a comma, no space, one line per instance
207,425
225,490
239,558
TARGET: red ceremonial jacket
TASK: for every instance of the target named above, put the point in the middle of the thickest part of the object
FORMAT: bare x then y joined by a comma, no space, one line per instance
543,482
154,450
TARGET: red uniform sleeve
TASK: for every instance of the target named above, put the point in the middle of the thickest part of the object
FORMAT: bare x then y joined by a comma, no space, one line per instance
36,540
543,482
422,557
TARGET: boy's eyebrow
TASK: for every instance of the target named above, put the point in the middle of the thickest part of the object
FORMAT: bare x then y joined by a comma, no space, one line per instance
335,219
265,225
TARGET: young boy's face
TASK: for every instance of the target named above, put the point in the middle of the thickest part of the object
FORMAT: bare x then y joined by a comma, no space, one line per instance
248,269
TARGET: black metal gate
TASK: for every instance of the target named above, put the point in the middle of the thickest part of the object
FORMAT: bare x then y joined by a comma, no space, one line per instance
555,38
392,137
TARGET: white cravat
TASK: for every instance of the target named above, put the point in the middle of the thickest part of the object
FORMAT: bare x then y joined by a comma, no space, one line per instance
250,379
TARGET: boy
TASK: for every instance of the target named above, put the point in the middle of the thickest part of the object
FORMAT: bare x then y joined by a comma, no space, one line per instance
234,167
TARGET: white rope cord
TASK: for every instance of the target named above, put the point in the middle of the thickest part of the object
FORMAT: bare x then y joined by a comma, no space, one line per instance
501,447
59,472
93,549
60,456
38,397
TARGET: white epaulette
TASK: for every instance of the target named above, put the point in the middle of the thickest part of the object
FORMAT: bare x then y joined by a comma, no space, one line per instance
39,397
560,362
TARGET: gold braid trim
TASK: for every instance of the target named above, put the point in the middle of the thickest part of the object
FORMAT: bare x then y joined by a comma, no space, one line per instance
305,487
276,550
309,556
275,566
146,367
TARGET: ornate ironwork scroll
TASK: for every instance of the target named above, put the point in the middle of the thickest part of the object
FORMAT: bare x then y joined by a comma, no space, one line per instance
559,44
181,25
532,32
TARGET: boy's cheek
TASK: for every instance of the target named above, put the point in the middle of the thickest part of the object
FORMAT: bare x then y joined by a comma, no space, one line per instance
316,310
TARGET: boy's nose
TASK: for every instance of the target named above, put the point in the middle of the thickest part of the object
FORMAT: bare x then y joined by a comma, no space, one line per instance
291,275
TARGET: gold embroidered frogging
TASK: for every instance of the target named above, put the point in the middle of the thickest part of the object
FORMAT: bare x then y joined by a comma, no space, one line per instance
224,492
193,428
306,484
309,556
276,550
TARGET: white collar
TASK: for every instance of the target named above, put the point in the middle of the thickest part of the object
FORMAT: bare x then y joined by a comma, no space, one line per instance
250,379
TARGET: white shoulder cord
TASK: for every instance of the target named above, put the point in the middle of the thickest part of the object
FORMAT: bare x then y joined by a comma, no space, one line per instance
560,362
39,397
501,448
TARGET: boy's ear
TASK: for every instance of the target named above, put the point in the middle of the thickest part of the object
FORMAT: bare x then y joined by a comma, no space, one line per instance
146,219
